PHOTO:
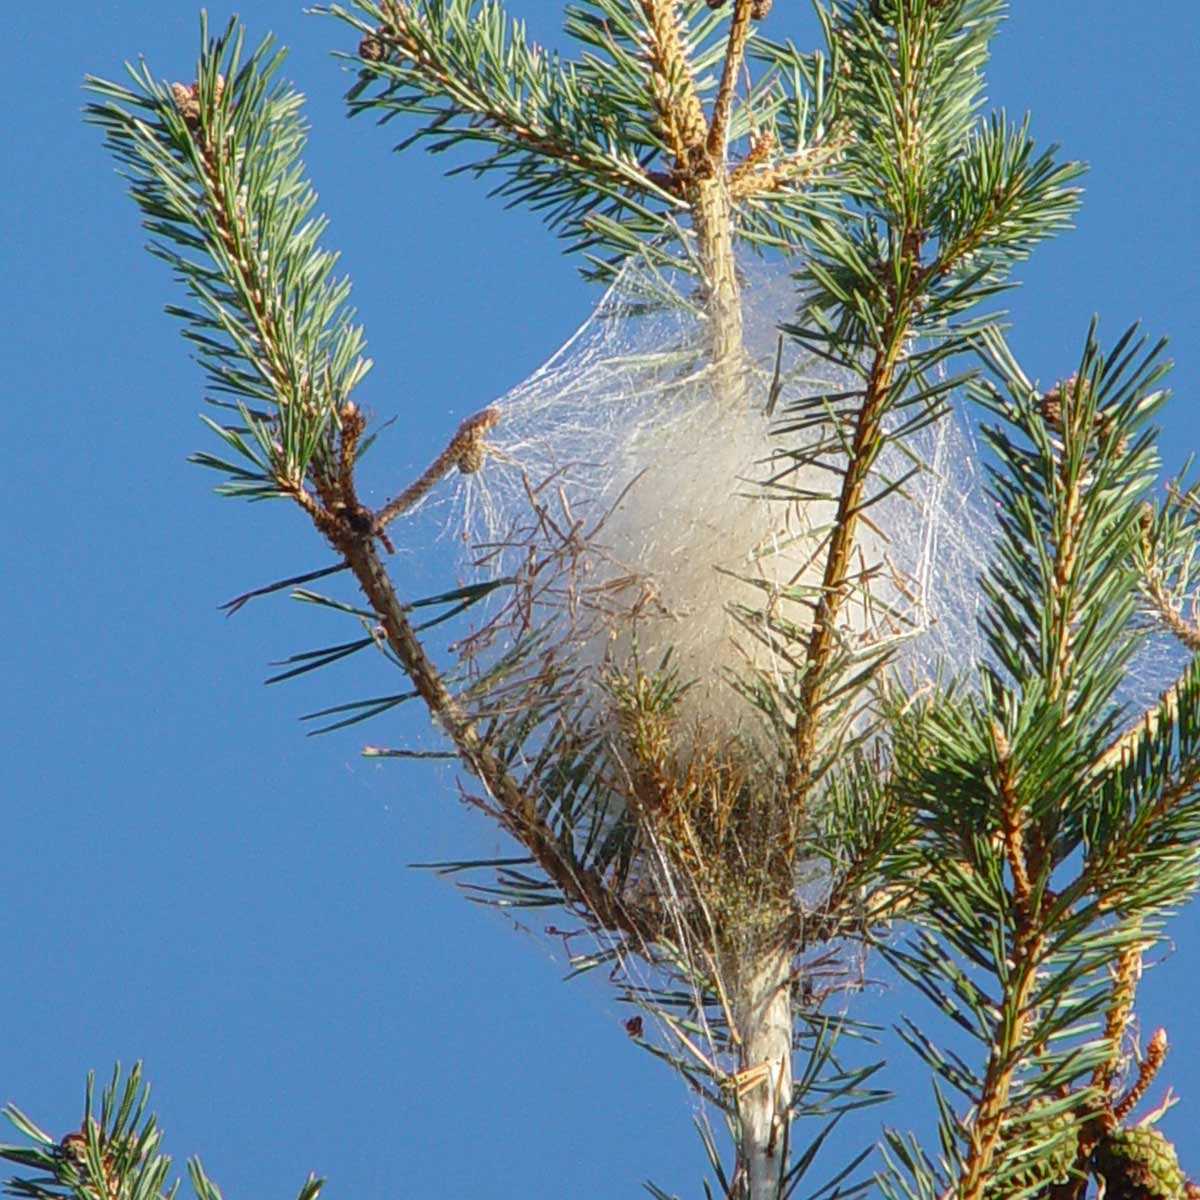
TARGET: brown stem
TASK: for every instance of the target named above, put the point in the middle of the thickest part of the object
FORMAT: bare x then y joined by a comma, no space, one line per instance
1012,827
739,32
757,175
1066,549
515,809
997,1082
1024,853
822,640
1127,971
353,425
712,220
749,169
1124,746
465,450
1188,632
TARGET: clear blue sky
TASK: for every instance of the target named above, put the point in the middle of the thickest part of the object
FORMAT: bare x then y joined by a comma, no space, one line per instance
190,880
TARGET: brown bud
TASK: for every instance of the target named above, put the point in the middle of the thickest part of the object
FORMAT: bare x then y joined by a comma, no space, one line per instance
1156,1050
759,9
468,448
472,456
372,48
361,520
1050,406
186,101
633,1027
74,1148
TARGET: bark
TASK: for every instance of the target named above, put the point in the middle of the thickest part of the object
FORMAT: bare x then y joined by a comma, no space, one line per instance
762,1014
712,219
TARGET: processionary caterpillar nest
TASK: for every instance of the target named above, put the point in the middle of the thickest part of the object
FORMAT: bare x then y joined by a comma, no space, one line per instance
646,513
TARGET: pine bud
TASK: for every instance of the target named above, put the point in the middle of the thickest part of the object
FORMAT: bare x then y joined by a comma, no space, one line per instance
73,1147
1056,405
372,48
472,456
186,102
187,99
1051,404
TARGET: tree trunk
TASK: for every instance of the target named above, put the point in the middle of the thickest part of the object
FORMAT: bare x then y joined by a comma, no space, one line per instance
762,1013
761,997
712,219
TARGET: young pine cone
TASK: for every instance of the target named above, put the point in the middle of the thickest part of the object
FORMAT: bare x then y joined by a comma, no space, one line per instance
1060,1133
1139,1164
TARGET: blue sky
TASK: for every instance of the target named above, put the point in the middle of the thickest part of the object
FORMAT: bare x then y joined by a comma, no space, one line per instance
190,880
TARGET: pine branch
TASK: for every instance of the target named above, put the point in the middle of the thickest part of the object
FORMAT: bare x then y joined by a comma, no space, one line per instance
1008,794
517,810
472,77
878,287
213,167
207,137
686,848
465,451
835,584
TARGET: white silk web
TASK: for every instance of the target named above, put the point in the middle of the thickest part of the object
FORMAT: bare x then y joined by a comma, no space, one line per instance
691,520
620,455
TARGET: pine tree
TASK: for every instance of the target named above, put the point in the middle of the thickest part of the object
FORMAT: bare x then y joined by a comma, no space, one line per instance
1004,832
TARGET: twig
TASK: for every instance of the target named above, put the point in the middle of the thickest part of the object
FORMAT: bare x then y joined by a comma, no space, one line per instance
739,31
466,451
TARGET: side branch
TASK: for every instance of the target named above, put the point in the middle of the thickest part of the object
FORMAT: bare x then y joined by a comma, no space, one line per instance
1127,971
515,809
997,1084
822,640
1124,747
1154,585
353,531
1012,818
509,121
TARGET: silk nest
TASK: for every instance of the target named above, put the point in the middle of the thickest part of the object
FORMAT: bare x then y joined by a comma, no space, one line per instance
644,518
